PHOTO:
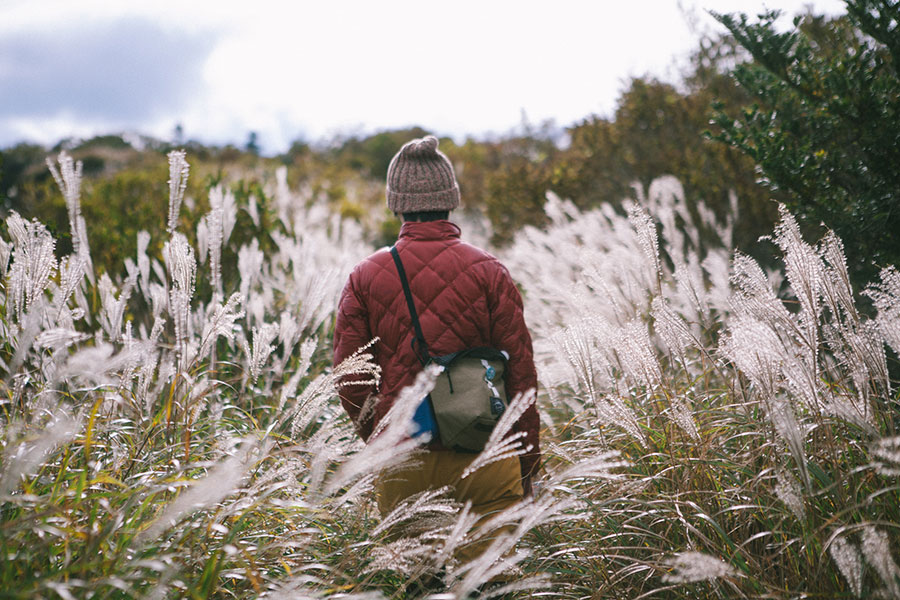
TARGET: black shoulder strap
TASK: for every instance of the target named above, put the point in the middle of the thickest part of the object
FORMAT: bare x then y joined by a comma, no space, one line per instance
422,350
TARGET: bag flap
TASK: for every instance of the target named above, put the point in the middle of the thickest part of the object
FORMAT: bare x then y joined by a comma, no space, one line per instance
485,353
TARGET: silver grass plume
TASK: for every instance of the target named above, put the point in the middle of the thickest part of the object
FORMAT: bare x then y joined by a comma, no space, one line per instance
309,405
613,412
279,474
390,444
578,346
783,418
143,261
199,392
691,567
837,290
178,177
59,338
408,555
316,304
332,441
5,254
24,458
886,451
757,351
33,263
158,298
672,329
299,587
804,271
681,414
858,350
24,334
357,494
806,274
424,504
228,206
788,491
498,561
220,322
216,235
637,357
689,277
203,239
71,273
95,364
597,465
149,364
413,549
501,556
457,534
68,178
846,556
182,267
180,262
253,210
112,312
885,296
560,211
309,286
717,270
876,547
256,304
261,348
357,369
288,334
666,202
648,241
250,265
282,197
290,388
869,346
137,351
753,296
541,509
500,444
753,347
530,584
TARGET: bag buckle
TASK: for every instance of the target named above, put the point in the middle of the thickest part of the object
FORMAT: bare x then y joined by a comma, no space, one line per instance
497,407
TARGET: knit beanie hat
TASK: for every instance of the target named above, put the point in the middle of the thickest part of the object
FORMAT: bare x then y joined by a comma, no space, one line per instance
421,178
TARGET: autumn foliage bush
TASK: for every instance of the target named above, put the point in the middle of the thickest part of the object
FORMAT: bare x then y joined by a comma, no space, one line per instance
711,429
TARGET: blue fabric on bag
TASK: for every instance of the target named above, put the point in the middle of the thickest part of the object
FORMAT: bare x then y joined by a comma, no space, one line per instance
423,421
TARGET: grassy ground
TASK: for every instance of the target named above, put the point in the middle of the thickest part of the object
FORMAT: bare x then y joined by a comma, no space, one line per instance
710,430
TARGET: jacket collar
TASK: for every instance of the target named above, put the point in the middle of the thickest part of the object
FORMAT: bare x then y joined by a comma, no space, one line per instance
429,230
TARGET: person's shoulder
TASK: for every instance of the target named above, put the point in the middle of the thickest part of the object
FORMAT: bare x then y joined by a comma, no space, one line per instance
486,263
476,254
372,263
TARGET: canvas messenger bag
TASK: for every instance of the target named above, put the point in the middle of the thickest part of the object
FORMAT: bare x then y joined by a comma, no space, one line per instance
469,395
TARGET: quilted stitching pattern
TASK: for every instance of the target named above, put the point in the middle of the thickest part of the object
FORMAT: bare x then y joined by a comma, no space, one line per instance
464,298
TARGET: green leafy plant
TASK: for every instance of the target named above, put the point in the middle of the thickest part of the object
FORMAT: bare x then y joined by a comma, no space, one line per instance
823,122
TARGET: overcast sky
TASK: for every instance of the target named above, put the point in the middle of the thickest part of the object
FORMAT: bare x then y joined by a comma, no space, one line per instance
311,70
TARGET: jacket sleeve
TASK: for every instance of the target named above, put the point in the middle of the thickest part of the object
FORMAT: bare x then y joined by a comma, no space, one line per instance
351,332
509,333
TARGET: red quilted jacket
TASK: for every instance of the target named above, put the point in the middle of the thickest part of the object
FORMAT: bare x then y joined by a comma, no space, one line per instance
464,297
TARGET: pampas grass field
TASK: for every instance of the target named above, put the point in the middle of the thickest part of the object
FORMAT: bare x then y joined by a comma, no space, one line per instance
711,429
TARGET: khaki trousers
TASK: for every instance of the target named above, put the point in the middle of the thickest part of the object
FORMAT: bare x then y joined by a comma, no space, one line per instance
490,489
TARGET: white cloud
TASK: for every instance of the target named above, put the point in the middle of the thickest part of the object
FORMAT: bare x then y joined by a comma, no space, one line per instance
290,68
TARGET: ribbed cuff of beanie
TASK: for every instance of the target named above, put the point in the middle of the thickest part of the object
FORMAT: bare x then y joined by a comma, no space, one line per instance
400,202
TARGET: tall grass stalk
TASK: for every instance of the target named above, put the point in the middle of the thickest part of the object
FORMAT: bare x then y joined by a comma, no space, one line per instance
711,429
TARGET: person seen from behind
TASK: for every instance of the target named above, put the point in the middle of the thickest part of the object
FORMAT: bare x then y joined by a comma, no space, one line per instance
465,298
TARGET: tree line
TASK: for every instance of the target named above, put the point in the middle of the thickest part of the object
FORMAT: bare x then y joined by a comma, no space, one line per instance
809,117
